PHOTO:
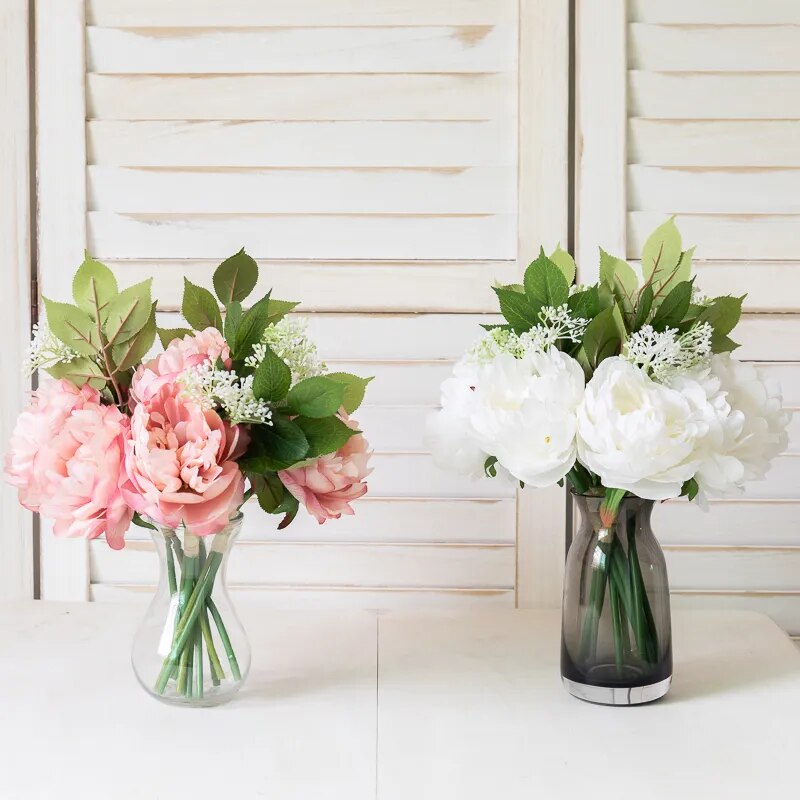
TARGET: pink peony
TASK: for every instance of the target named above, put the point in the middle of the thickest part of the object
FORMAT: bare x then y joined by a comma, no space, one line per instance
191,351
180,463
328,485
65,458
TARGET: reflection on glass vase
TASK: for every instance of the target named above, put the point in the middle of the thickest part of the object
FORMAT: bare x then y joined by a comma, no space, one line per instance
616,638
190,648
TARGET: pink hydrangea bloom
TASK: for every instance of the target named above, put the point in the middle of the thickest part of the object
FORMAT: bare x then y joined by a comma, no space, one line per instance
328,485
65,458
180,463
190,351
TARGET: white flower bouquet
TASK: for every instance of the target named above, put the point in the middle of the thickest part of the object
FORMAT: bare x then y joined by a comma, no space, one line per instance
623,388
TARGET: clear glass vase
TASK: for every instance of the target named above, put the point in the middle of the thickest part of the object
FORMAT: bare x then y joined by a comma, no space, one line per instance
616,635
190,648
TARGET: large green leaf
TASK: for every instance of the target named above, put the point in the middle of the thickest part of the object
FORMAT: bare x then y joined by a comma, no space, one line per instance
545,284
324,435
128,354
235,278
674,307
643,307
93,288
564,261
354,389
251,328
585,304
278,309
603,337
167,335
272,378
316,397
661,255
269,490
128,313
73,326
199,308
621,278
79,371
517,309
233,317
274,447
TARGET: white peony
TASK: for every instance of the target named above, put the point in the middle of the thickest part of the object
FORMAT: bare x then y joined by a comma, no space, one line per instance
519,410
637,434
447,432
525,414
746,423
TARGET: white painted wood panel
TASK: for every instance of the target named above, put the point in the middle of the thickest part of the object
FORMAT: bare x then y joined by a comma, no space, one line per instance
389,520
302,97
713,48
721,567
725,236
701,95
331,598
714,12
743,190
246,190
737,522
714,143
757,278
329,564
244,143
379,286
782,607
324,236
16,535
209,13
386,49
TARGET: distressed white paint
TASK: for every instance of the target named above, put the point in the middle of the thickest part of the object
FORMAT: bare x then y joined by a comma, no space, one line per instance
16,534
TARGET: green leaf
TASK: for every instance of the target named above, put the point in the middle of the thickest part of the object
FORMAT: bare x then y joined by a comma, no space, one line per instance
235,278
603,338
621,278
251,328
723,313
722,343
316,397
79,371
354,389
490,467
93,287
139,520
166,335
278,309
200,308
128,313
661,255
73,326
233,317
684,272
290,506
643,307
516,308
674,307
585,304
690,489
269,490
272,378
545,284
564,261
274,447
128,354
324,435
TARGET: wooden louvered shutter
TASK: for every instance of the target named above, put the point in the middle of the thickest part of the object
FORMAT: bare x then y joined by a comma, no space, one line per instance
692,108
384,163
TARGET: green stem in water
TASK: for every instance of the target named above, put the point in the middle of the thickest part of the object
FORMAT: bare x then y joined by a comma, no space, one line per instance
616,625
173,584
217,673
591,621
226,642
198,662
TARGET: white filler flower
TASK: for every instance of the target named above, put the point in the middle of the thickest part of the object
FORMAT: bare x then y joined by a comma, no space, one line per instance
637,434
746,423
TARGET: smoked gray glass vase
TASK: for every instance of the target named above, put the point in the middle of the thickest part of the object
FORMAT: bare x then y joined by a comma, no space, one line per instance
616,636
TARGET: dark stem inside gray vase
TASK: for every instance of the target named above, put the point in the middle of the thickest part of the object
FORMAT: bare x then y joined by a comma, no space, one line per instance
616,632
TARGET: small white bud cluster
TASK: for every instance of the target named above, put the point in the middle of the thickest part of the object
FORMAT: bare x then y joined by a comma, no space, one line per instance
46,350
287,338
664,354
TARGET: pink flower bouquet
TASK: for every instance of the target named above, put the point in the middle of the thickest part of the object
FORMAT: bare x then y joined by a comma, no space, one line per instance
237,405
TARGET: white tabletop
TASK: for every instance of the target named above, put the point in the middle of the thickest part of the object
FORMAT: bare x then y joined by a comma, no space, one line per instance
354,705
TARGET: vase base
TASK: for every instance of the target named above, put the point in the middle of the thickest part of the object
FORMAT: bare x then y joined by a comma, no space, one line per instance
618,695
